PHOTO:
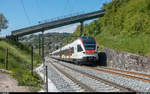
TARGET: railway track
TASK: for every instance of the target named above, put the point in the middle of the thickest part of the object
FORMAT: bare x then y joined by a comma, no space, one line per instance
133,75
82,85
121,73
127,72
102,83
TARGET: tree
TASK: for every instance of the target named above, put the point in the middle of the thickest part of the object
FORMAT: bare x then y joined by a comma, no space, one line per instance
3,22
57,47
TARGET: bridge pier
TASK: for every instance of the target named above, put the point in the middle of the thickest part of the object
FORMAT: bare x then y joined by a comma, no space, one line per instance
81,28
39,45
16,38
43,46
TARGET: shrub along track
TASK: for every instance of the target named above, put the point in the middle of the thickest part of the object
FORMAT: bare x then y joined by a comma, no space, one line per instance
111,84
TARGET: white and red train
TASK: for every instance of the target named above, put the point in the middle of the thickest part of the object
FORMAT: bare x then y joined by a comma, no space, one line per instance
84,50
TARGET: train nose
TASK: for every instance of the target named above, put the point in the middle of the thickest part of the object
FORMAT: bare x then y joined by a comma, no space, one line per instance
90,51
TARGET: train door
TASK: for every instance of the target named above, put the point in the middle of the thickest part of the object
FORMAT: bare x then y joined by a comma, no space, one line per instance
74,55
69,52
79,51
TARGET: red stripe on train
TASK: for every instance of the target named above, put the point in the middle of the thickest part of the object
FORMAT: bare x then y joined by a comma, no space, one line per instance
90,51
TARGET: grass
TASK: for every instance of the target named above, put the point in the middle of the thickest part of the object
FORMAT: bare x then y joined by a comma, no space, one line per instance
138,44
19,63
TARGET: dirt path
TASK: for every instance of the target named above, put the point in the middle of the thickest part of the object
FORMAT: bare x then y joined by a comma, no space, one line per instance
9,84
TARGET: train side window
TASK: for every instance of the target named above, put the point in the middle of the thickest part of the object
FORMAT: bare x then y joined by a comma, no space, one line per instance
79,49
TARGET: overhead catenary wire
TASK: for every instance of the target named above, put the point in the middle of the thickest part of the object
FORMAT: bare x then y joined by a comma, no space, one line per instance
38,9
71,7
65,7
22,3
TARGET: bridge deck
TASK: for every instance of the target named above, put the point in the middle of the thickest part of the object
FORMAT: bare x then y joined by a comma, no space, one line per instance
58,23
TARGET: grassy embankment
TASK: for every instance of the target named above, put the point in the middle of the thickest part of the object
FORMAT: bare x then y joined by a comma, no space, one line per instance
125,26
19,62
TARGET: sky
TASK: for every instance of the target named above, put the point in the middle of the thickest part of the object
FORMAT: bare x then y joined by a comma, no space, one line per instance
25,13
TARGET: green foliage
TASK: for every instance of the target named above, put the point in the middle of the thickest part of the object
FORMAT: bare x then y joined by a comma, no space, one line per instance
3,22
57,47
19,62
138,44
125,26
131,16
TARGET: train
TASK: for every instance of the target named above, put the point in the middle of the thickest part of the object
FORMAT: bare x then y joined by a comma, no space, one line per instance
83,50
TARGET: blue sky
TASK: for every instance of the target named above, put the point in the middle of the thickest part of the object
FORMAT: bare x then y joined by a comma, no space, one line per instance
39,10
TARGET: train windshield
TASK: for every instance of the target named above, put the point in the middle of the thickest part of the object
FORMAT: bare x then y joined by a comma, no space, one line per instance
89,42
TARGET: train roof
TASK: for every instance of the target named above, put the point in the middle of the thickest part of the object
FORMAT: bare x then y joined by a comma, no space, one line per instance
87,38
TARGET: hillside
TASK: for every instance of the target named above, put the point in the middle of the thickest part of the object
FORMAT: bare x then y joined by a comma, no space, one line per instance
125,26
19,62
52,41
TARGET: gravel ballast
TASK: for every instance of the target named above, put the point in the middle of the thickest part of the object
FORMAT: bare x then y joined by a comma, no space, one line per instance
127,82
57,79
96,85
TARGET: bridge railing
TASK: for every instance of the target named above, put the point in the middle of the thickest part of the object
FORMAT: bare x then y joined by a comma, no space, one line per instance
61,17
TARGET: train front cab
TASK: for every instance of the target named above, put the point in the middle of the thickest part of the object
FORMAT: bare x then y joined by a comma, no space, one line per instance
88,48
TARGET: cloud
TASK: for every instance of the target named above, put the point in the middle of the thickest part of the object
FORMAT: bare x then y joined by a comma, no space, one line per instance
67,29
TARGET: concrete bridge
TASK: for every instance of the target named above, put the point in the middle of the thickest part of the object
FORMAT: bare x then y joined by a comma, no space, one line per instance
58,23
